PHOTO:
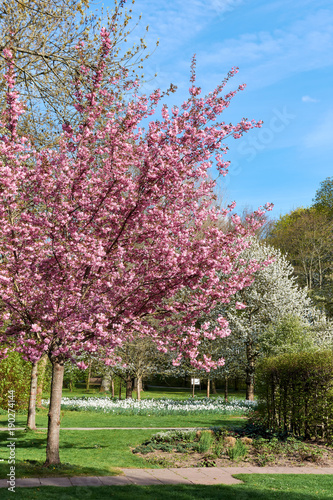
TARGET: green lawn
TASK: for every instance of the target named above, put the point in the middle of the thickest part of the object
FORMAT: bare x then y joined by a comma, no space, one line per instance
85,453
256,487
158,392
95,452
93,419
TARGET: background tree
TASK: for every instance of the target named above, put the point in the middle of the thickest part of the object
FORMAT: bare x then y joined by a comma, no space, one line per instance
323,200
272,294
44,36
135,360
305,236
288,334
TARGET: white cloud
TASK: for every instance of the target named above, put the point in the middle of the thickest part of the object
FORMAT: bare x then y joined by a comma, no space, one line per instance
307,98
267,57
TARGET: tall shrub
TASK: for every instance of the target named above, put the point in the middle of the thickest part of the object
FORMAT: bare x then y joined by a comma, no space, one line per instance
14,376
296,393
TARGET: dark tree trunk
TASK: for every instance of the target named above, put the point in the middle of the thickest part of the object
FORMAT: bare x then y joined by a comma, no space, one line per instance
120,389
214,391
129,387
89,375
236,384
31,421
52,448
226,389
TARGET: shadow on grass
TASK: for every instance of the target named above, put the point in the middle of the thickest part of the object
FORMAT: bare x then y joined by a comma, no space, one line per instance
32,467
181,492
36,468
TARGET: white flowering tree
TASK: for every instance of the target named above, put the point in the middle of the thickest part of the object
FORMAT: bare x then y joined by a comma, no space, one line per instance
272,295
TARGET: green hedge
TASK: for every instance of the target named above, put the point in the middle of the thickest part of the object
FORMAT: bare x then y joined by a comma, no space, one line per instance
15,375
296,393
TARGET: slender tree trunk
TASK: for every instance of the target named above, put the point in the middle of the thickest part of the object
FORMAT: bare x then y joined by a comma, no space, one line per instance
208,387
112,387
250,368
40,381
129,387
138,388
193,386
31,421
226,389
214,391
120,390
89,375
52,448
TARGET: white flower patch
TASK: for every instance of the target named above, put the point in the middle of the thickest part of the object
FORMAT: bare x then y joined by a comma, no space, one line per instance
157,406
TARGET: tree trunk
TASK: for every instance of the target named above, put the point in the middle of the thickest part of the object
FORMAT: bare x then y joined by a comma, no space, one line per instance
112,387
40,380
208,387
52,448
193,386
138,388
226,389
250,368
120,390
31,421
214,391
236,384
129,387
106,383
89,375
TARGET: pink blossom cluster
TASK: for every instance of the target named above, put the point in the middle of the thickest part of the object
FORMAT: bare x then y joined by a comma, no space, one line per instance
117,224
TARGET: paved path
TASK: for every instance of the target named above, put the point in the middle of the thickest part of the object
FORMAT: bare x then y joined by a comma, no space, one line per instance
195,475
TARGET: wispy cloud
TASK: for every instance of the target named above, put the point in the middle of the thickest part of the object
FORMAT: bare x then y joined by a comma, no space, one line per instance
268,57
307,98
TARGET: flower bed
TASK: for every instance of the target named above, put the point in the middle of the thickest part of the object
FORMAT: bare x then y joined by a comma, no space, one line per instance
157,406
218,447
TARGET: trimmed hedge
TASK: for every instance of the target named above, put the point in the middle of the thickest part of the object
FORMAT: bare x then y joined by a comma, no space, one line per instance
296,393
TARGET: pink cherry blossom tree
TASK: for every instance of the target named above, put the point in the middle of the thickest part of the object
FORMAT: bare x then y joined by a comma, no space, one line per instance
111,227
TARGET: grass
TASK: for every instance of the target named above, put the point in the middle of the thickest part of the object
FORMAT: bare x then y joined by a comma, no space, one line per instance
158,392
93,419
103,450
255,487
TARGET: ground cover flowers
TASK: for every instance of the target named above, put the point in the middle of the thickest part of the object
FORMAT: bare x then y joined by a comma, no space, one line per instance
162,406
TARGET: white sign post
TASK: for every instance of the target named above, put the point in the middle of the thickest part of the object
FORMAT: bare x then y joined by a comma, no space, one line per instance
194,382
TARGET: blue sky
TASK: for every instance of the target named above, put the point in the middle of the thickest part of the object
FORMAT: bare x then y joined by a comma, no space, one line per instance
285,54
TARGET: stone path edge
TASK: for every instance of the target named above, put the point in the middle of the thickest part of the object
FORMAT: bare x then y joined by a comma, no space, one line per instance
146,477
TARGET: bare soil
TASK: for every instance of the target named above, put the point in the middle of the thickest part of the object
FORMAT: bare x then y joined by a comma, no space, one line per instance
308,453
